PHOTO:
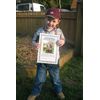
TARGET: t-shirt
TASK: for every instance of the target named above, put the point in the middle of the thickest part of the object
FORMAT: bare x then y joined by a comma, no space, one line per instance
56,31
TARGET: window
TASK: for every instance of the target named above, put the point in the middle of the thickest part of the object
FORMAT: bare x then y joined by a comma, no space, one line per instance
23,7
42,8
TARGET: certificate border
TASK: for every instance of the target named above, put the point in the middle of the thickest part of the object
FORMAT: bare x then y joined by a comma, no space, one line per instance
39,51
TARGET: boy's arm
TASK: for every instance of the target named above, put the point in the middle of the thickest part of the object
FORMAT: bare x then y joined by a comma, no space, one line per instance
35,40
61,41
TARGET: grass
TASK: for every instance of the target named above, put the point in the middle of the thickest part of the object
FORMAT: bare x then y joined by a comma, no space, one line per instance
71,77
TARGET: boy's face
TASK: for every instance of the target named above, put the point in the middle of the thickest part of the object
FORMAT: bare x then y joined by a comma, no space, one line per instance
51,23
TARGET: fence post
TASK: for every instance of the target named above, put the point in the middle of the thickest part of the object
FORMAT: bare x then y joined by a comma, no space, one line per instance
79,30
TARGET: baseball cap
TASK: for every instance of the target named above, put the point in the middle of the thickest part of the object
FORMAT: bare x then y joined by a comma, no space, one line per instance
54,13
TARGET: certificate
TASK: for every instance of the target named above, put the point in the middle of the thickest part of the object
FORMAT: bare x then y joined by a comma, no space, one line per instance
48,51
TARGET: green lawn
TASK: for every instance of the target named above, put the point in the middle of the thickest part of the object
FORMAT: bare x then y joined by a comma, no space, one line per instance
72,81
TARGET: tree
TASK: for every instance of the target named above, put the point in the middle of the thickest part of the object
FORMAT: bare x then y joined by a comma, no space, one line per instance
50,3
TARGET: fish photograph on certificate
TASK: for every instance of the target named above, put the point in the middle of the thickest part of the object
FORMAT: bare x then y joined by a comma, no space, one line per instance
48,51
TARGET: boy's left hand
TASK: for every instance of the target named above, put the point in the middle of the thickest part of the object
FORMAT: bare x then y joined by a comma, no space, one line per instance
60,42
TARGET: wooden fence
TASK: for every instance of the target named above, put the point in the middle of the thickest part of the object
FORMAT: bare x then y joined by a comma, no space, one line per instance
28,23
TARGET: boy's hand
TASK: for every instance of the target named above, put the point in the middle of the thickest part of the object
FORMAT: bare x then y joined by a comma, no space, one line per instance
60,42
37,46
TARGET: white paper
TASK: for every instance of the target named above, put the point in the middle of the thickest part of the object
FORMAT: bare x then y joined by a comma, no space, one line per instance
48,51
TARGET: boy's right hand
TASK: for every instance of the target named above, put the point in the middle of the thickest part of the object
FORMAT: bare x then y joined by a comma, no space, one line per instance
37,46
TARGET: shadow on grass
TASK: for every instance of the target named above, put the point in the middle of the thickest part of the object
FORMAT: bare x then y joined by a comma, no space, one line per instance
24,86
23,83
71,76
72,79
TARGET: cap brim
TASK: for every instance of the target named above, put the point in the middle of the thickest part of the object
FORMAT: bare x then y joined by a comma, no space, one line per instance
50,16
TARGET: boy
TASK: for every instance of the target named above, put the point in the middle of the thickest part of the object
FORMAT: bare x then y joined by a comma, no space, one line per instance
52,20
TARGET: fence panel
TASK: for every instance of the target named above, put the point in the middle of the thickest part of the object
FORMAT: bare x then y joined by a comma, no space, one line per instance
28,23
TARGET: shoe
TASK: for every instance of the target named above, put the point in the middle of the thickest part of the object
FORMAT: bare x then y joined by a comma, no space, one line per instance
32,97
61,96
